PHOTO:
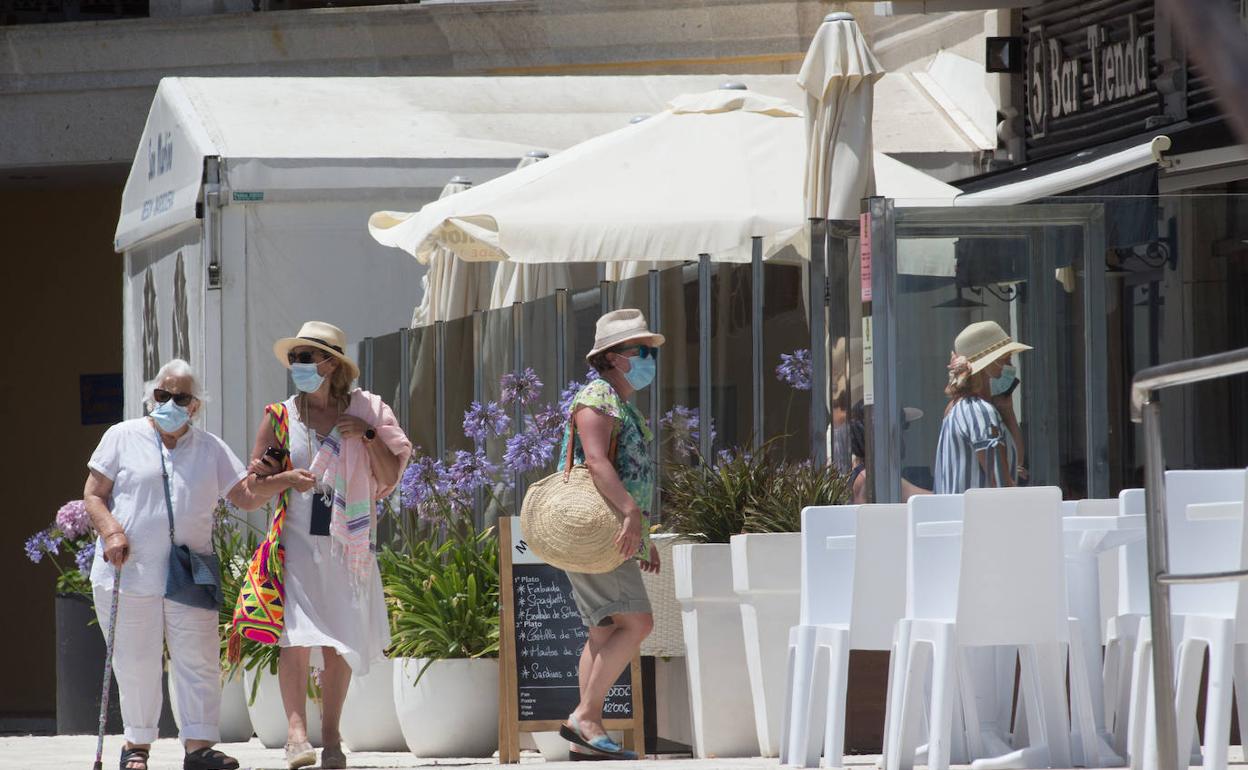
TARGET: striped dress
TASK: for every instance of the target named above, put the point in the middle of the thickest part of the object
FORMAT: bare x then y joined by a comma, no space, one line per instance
972,425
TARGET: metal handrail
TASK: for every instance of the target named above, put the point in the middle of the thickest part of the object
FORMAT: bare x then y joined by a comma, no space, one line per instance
1146,409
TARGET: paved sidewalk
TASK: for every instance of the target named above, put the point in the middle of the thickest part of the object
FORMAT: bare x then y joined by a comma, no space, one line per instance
77,752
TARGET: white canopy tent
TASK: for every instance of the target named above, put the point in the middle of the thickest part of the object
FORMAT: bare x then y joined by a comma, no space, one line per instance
243,212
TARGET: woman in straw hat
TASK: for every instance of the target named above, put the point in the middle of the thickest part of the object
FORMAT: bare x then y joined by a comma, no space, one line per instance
975,449
353,448
614,606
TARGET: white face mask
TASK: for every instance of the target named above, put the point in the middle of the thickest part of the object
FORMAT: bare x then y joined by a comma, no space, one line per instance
1004,381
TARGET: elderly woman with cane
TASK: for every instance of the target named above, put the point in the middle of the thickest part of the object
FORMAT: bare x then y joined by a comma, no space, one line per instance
352,446
152,486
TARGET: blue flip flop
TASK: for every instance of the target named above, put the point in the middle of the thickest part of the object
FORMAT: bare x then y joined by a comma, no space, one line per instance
603,744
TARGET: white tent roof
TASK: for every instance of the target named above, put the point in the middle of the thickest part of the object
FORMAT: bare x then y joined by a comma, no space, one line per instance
283,138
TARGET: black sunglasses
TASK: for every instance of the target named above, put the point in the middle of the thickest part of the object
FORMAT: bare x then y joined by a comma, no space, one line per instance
181,399
305,357
643,351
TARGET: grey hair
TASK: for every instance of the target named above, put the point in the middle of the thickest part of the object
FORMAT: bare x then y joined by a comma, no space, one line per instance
174,367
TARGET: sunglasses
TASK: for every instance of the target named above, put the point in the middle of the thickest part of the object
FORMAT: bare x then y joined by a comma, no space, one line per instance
643,351
305,357
181,399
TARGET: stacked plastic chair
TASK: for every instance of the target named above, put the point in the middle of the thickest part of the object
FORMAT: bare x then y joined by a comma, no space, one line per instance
853,593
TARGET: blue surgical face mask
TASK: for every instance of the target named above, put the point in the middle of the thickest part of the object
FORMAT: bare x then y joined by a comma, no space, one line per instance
306,377
641,372
170,417
1003,381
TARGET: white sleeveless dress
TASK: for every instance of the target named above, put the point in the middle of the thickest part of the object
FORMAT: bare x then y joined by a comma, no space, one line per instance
321,609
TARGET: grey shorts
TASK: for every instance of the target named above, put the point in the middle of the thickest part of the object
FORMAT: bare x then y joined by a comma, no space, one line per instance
598,597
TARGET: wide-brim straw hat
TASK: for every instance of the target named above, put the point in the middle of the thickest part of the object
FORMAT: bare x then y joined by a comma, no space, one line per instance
621,326
319,335
984,342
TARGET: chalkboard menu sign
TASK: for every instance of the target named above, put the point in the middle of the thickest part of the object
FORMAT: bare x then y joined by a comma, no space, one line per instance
542,638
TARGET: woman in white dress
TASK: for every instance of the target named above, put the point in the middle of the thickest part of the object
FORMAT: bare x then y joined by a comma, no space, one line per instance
349,440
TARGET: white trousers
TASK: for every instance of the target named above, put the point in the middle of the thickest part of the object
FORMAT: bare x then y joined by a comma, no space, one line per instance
143,623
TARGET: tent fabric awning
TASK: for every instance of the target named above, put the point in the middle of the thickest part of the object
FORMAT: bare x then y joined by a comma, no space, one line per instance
1073,176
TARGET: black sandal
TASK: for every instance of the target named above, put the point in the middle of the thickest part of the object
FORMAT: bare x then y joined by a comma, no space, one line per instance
129,755
208,758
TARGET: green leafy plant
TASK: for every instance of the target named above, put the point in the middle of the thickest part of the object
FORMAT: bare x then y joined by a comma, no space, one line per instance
777,506
707,502
443,596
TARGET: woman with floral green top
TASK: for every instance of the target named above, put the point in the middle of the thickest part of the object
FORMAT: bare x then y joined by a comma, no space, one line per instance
614,605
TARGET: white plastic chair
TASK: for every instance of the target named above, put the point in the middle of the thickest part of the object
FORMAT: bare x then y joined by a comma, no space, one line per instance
1122,628
852,596
1204,518
1010,591
932,565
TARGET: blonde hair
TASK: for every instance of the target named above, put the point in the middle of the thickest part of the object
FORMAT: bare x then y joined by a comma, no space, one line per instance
340,381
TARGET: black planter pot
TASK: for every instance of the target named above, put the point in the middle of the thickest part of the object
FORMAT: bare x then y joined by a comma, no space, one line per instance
80,652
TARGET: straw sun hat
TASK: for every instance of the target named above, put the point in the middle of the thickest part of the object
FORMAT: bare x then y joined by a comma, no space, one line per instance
620,326
319,335
984,342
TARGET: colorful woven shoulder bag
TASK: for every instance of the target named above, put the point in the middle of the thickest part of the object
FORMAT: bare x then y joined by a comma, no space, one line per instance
259,614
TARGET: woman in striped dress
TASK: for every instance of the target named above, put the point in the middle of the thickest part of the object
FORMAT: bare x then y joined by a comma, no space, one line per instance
975,449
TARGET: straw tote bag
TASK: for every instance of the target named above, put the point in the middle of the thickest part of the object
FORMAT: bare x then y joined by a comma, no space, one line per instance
568,523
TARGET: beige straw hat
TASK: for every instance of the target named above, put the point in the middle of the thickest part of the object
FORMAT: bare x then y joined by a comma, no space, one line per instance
620,326
984,342
319,335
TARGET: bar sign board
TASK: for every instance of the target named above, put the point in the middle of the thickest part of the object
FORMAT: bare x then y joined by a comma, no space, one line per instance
864,254
541,638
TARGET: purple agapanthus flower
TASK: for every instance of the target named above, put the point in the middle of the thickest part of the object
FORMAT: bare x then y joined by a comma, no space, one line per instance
550,422
84,558
470,471
72,519
484,420
423,479
527,451
40,543
592,374
568,395
685,427
524,387
795,369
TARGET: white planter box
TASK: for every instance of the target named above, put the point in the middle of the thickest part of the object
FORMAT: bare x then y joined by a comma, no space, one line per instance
452,711
368,719
766,575
234,722
667,640
268,716
719,691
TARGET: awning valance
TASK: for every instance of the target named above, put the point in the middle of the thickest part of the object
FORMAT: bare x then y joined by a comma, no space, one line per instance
1072,177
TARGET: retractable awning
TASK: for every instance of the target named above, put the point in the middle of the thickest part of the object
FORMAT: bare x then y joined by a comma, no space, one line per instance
1072,177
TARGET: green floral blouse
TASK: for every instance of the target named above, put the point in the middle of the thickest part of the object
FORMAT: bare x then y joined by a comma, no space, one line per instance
632,455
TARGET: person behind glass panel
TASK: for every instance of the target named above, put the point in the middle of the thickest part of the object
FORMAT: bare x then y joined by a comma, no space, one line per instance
976,448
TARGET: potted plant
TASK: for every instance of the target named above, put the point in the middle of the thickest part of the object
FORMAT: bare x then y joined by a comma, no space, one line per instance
705,503
80,648
443,599
766,573
442,583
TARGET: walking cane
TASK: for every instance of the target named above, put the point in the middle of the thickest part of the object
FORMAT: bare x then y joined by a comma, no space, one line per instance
108,670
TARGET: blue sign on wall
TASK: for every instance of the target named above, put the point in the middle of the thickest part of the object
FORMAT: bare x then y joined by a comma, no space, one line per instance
102,398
